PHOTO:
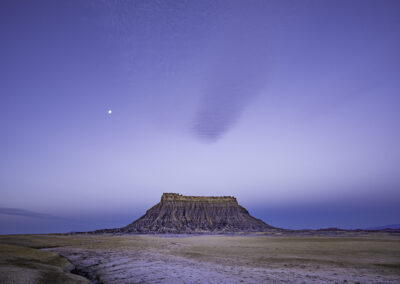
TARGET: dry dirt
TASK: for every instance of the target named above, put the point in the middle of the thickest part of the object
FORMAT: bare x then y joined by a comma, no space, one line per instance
368,258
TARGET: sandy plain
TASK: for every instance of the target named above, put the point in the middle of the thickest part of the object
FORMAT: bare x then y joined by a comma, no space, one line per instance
287,258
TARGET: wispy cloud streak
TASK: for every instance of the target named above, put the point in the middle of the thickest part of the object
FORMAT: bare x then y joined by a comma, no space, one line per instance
236,74
26,213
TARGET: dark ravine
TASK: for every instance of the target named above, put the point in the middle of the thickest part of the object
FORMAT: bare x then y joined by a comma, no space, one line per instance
179,214
87,273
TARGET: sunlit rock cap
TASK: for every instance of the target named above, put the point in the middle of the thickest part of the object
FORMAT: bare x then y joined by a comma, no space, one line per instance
179,197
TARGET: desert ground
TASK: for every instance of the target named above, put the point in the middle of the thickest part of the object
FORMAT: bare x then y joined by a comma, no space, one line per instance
279,258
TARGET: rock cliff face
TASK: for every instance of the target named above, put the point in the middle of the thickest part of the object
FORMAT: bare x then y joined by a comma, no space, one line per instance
195,214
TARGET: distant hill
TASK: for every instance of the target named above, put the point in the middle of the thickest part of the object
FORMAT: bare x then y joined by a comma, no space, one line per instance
393,226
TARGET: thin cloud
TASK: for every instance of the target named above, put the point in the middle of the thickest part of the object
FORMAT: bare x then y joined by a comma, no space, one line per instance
237,72
26,213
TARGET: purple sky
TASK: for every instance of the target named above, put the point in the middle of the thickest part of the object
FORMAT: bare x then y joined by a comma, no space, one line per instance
291,106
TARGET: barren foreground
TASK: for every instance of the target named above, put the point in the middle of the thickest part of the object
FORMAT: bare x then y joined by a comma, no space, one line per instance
364,258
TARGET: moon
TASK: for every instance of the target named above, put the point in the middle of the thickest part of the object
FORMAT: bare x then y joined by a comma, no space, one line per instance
109,111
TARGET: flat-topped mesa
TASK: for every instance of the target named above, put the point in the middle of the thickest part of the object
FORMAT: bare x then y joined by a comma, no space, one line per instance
179,197
179,214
